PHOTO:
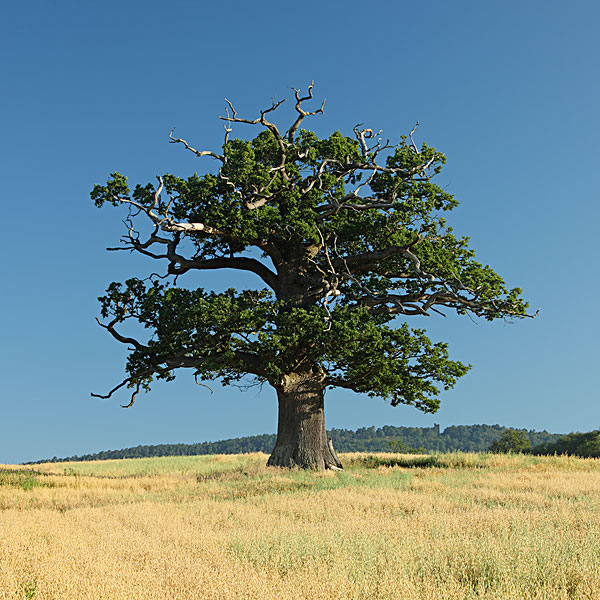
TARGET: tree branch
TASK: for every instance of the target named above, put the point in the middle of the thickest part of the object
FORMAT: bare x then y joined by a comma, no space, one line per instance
411,137
252,362
241,263
302,114
196,152
235,119
175,259
121,338
367,260
166,223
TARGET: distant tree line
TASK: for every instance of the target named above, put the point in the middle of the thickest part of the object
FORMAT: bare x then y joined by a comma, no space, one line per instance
586,445
465,438
456,438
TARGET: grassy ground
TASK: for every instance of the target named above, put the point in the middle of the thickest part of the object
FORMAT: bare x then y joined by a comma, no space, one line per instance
219,527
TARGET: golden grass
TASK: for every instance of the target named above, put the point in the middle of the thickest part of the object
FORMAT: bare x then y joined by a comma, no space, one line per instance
218,527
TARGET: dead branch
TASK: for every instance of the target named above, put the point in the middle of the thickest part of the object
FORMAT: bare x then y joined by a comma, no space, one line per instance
166,223
363,134
196,152
302,114
411,137
235,119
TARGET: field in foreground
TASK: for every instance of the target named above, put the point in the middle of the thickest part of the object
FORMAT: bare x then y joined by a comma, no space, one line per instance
223,527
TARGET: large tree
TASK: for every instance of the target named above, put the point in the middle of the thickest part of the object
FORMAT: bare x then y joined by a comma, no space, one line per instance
346,238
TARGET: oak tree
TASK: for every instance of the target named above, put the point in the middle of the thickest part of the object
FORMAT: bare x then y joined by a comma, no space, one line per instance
347,240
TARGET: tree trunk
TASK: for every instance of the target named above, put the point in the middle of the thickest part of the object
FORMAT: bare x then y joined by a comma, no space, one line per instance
301,437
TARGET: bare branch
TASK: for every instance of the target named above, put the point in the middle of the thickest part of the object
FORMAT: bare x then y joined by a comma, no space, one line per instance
257,203
366,260
411,137
330,280
362,135
196,152
179,264
117,387
228,130
137,390
302,114
235,119
157,193
121,338
168,224
252,361
380,304
405,305
202,384
241,263
269,125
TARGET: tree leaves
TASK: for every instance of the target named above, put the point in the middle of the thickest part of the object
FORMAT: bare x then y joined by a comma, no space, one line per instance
348,243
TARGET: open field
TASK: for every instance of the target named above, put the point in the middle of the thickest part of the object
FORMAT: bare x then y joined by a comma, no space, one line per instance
220,527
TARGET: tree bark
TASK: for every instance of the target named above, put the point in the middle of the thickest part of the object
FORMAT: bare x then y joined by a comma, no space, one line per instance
301,437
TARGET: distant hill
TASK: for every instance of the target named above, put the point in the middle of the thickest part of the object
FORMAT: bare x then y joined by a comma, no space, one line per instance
465,438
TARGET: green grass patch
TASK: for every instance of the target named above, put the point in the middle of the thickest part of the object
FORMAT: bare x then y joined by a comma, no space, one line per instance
26,480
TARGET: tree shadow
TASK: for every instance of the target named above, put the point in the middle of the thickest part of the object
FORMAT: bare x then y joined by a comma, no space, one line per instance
373,462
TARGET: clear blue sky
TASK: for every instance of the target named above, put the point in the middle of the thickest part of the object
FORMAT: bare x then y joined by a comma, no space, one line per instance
508,90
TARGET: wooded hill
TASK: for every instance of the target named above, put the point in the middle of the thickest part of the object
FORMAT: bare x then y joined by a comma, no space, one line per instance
465,438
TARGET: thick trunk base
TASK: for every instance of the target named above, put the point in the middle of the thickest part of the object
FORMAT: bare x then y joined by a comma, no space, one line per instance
301,437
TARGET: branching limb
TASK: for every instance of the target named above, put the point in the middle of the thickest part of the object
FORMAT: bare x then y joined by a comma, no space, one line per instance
362,135
252,363
427,302
368,261
359,203
126,381
262,120
330,280
166,223
175,140
302,114
270,126
121,338
178,264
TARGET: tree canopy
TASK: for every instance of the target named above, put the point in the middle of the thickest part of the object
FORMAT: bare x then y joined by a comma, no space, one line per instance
346,235
511,440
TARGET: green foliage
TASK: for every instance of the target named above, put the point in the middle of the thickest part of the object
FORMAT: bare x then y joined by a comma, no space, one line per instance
295,201
26,480
115,188
402,448
29,588
586,445
511,440
219,331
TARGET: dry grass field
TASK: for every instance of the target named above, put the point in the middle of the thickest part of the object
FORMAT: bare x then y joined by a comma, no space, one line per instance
226,527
